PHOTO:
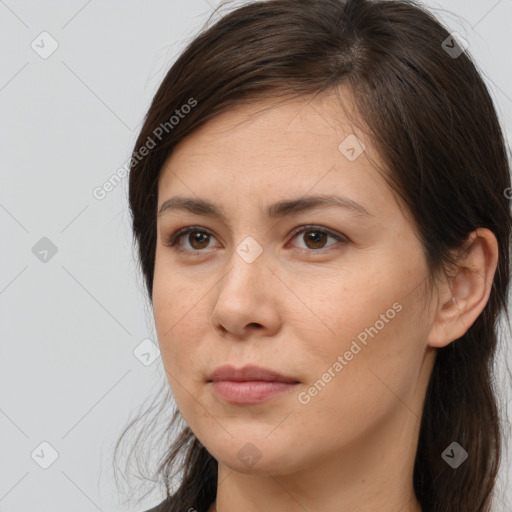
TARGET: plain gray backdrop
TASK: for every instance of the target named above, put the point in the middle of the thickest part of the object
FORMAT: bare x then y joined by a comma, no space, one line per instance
78,343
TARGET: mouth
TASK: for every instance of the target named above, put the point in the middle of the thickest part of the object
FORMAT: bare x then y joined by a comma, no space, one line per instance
249,385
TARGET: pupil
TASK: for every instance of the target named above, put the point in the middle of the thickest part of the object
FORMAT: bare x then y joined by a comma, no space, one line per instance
197,238
316,238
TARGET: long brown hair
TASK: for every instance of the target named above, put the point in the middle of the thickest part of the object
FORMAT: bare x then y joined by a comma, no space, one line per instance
434,124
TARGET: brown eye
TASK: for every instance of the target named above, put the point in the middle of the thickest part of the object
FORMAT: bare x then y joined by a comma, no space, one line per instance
198,239
315,238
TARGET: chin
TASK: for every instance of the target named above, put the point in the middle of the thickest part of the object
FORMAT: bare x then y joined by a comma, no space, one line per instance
255,454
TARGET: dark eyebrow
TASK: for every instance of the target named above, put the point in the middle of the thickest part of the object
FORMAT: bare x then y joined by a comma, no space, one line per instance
274,211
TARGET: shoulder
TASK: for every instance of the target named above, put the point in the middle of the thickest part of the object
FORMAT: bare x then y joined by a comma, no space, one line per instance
159,508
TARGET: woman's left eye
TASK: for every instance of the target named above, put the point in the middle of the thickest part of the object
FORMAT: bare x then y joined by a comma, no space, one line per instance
315,239
317,236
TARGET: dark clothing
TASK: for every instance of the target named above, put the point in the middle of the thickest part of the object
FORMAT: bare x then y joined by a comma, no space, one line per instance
160,507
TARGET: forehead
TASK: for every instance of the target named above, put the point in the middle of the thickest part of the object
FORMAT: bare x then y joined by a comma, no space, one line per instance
271,133
274,121
275,149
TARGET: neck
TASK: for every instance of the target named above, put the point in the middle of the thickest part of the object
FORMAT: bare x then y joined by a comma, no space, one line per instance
365,477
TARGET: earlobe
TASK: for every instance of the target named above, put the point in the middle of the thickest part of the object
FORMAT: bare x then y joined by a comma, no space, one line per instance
463,298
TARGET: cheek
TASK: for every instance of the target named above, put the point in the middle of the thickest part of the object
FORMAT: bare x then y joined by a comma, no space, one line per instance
179,337
341,305
364,372
179,312
373,318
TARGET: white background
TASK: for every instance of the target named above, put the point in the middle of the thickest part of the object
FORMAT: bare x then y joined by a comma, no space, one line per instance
69,327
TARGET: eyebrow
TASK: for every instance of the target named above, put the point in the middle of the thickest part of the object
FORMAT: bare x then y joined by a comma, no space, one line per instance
273,211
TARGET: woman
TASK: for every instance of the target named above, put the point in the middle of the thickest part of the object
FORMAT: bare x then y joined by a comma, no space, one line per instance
320,196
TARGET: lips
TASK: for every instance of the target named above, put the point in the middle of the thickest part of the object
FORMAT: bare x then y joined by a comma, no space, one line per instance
248,373
250,385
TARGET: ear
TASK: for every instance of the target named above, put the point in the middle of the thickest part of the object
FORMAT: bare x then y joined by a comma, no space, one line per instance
462,297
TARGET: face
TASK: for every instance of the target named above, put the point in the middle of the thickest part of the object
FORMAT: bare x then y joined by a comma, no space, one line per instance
332,296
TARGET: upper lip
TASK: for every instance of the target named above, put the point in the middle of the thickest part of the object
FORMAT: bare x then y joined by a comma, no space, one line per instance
248,373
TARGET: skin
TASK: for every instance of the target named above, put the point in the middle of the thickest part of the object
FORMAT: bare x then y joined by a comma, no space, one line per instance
298,306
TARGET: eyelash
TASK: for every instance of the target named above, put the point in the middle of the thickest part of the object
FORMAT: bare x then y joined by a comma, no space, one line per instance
172,240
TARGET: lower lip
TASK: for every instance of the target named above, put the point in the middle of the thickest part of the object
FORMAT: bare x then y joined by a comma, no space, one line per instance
249,392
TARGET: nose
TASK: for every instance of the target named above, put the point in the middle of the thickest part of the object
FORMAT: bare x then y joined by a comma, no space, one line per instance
246,297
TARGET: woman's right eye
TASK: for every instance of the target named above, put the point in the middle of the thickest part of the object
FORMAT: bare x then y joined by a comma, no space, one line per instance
200,237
